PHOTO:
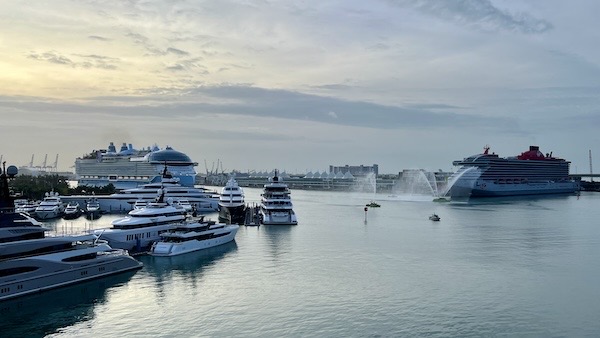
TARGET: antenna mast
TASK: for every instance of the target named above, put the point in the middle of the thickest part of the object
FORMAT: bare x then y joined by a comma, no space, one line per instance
591,172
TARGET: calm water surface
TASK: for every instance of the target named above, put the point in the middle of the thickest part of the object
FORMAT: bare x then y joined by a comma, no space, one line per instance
502,267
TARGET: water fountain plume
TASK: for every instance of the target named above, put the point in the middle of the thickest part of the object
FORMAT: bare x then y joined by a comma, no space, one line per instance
417,182
367,184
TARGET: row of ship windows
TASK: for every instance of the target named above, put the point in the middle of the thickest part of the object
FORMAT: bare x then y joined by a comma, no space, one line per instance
116,177
6,272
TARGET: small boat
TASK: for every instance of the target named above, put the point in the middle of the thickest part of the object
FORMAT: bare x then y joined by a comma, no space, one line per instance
373,204
441,199
72,211
92,208
434,217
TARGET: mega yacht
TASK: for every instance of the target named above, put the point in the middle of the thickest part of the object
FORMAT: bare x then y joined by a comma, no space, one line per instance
51,206
129,167
276,204
193,236
530,173
231,203
201,199
30,262
143,226
34,265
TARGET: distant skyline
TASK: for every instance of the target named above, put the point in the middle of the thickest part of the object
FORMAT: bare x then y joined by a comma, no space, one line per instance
301,85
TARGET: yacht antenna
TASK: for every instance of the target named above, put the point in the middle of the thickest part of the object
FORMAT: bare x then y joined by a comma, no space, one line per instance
591,172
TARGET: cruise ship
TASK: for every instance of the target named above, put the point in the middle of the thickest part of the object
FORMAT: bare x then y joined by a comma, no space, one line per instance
530,173
129,168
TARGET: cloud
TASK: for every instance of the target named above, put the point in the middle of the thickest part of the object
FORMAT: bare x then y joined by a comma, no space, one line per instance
51,57
76,60
99,38
177,51
479,14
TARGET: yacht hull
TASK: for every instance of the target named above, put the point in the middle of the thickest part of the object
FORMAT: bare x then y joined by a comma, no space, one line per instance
132,239
50,275
165,249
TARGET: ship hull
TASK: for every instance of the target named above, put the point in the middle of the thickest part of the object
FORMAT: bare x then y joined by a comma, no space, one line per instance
488,188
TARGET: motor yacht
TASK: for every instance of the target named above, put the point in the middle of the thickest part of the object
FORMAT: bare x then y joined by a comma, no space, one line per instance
34,265
92,208
72,211
202,199
193,236
232,208
141,227
51,207
276,204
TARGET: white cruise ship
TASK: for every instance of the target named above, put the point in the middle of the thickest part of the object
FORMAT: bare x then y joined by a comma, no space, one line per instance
276,204
129,168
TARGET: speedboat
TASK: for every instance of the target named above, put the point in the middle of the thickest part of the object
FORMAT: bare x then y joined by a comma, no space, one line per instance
142,227
51,207
231,203
373,204
434,217
276,204
72,211
193,236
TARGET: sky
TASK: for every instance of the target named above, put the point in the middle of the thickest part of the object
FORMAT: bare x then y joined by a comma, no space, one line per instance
301,85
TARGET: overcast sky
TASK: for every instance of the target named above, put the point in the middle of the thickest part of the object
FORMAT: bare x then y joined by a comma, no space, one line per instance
301,85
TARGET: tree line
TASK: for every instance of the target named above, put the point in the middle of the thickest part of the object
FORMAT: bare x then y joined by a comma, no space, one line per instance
36,187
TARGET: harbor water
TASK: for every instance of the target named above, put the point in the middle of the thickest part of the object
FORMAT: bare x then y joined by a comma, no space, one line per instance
524,267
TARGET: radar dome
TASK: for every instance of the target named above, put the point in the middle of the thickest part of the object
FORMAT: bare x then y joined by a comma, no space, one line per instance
168,155
12,170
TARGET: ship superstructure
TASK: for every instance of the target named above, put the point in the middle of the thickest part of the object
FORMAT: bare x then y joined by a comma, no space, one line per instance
129,168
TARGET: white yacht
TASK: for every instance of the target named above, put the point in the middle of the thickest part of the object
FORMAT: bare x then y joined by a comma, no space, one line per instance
276,203
193,236
202,199
143,226
231,203
92,208
72,210
51,207
29,207
34,265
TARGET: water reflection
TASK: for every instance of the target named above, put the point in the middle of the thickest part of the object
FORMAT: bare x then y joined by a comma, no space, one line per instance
190,266
46,313
279,239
